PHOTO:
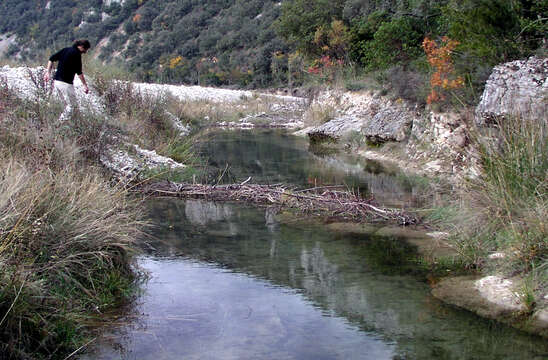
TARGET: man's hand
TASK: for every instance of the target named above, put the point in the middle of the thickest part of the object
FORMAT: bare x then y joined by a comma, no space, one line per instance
83,80
47,74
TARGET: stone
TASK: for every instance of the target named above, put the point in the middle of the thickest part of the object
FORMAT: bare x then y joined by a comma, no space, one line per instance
518,88
388,124
492,297
379,119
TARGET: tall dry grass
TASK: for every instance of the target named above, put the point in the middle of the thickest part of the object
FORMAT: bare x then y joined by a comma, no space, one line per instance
66,233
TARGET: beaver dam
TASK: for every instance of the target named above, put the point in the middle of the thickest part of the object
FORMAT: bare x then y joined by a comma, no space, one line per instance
321,201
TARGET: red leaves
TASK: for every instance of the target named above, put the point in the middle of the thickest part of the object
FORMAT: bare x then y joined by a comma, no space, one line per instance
439,58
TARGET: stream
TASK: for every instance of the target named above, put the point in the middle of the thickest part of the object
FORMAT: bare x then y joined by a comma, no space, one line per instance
233,281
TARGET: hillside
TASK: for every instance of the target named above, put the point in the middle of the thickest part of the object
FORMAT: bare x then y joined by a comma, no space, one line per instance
262,43
168,41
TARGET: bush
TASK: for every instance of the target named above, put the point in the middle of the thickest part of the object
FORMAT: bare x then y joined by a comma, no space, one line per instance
395,42
407,84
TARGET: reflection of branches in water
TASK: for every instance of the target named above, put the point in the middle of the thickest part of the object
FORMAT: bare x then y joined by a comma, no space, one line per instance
322,201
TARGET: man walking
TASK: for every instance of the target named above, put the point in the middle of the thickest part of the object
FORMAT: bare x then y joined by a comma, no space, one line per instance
69,63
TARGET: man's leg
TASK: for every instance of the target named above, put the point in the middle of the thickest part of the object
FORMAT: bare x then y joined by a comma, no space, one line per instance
68,96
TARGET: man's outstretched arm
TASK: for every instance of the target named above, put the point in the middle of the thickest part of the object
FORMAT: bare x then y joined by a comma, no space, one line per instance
83,80
49,68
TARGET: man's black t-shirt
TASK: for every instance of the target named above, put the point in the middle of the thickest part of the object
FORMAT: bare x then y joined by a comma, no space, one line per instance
70,63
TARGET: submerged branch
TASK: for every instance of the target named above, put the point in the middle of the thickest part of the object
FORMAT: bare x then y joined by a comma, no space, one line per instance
317,201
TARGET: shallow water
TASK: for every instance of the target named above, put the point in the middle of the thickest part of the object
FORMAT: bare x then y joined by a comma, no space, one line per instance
229,281
272,157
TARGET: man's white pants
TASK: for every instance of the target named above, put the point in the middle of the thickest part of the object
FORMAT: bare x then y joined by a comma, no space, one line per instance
68,96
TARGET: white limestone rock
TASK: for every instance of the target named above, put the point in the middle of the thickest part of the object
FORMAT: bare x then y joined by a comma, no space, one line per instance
518,88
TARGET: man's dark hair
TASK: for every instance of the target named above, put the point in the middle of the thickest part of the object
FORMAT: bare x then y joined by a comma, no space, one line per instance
83,43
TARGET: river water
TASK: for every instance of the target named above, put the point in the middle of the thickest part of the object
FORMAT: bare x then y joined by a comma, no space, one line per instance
230,281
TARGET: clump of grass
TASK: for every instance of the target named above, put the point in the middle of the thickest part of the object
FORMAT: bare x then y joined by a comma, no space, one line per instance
318,114
505,209
105,75
66,233
64,239
47,143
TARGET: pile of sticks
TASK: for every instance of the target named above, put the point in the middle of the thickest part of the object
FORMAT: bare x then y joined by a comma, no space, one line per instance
328,201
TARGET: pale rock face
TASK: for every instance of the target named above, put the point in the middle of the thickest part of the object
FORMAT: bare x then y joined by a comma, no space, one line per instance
518,88
377,118
389,124
109,2
499,291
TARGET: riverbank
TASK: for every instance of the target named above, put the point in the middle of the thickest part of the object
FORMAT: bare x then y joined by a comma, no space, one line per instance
495,157
154,124
67,232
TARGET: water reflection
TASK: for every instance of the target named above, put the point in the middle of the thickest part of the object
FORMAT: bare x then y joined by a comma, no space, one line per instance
239,285
273,157
202,212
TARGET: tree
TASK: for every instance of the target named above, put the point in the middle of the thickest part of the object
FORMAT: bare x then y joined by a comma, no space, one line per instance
443,78
301,18
395,42
485,29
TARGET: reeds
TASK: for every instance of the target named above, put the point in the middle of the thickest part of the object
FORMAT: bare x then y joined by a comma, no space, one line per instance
504,211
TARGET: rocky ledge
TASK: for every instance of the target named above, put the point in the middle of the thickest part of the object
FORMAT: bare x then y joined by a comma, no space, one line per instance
493,297
518,88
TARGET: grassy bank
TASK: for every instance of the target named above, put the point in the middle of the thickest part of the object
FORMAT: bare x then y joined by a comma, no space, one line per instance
67,232
498,221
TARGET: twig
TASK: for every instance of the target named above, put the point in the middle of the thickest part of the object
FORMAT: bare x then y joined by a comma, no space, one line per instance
222,175
246,181
13,303
80,348
320,187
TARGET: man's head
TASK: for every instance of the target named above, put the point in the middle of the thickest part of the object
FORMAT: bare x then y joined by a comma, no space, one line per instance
82,45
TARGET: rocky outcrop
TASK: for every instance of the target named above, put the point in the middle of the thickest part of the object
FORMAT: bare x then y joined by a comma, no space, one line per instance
494,298
378,118
518,88
434,143
389,124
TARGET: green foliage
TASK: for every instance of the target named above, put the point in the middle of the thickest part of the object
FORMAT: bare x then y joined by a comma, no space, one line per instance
484,28
395,42
491,32
301,18
362,31
237,42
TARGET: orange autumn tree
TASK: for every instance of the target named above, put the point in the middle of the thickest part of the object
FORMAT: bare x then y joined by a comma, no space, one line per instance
439,58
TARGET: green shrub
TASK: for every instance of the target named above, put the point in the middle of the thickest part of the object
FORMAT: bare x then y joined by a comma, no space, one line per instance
395,42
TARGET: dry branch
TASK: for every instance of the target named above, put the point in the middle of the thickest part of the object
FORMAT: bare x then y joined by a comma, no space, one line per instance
321,201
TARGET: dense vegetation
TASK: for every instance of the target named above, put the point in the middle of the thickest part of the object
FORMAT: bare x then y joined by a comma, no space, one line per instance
264,42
